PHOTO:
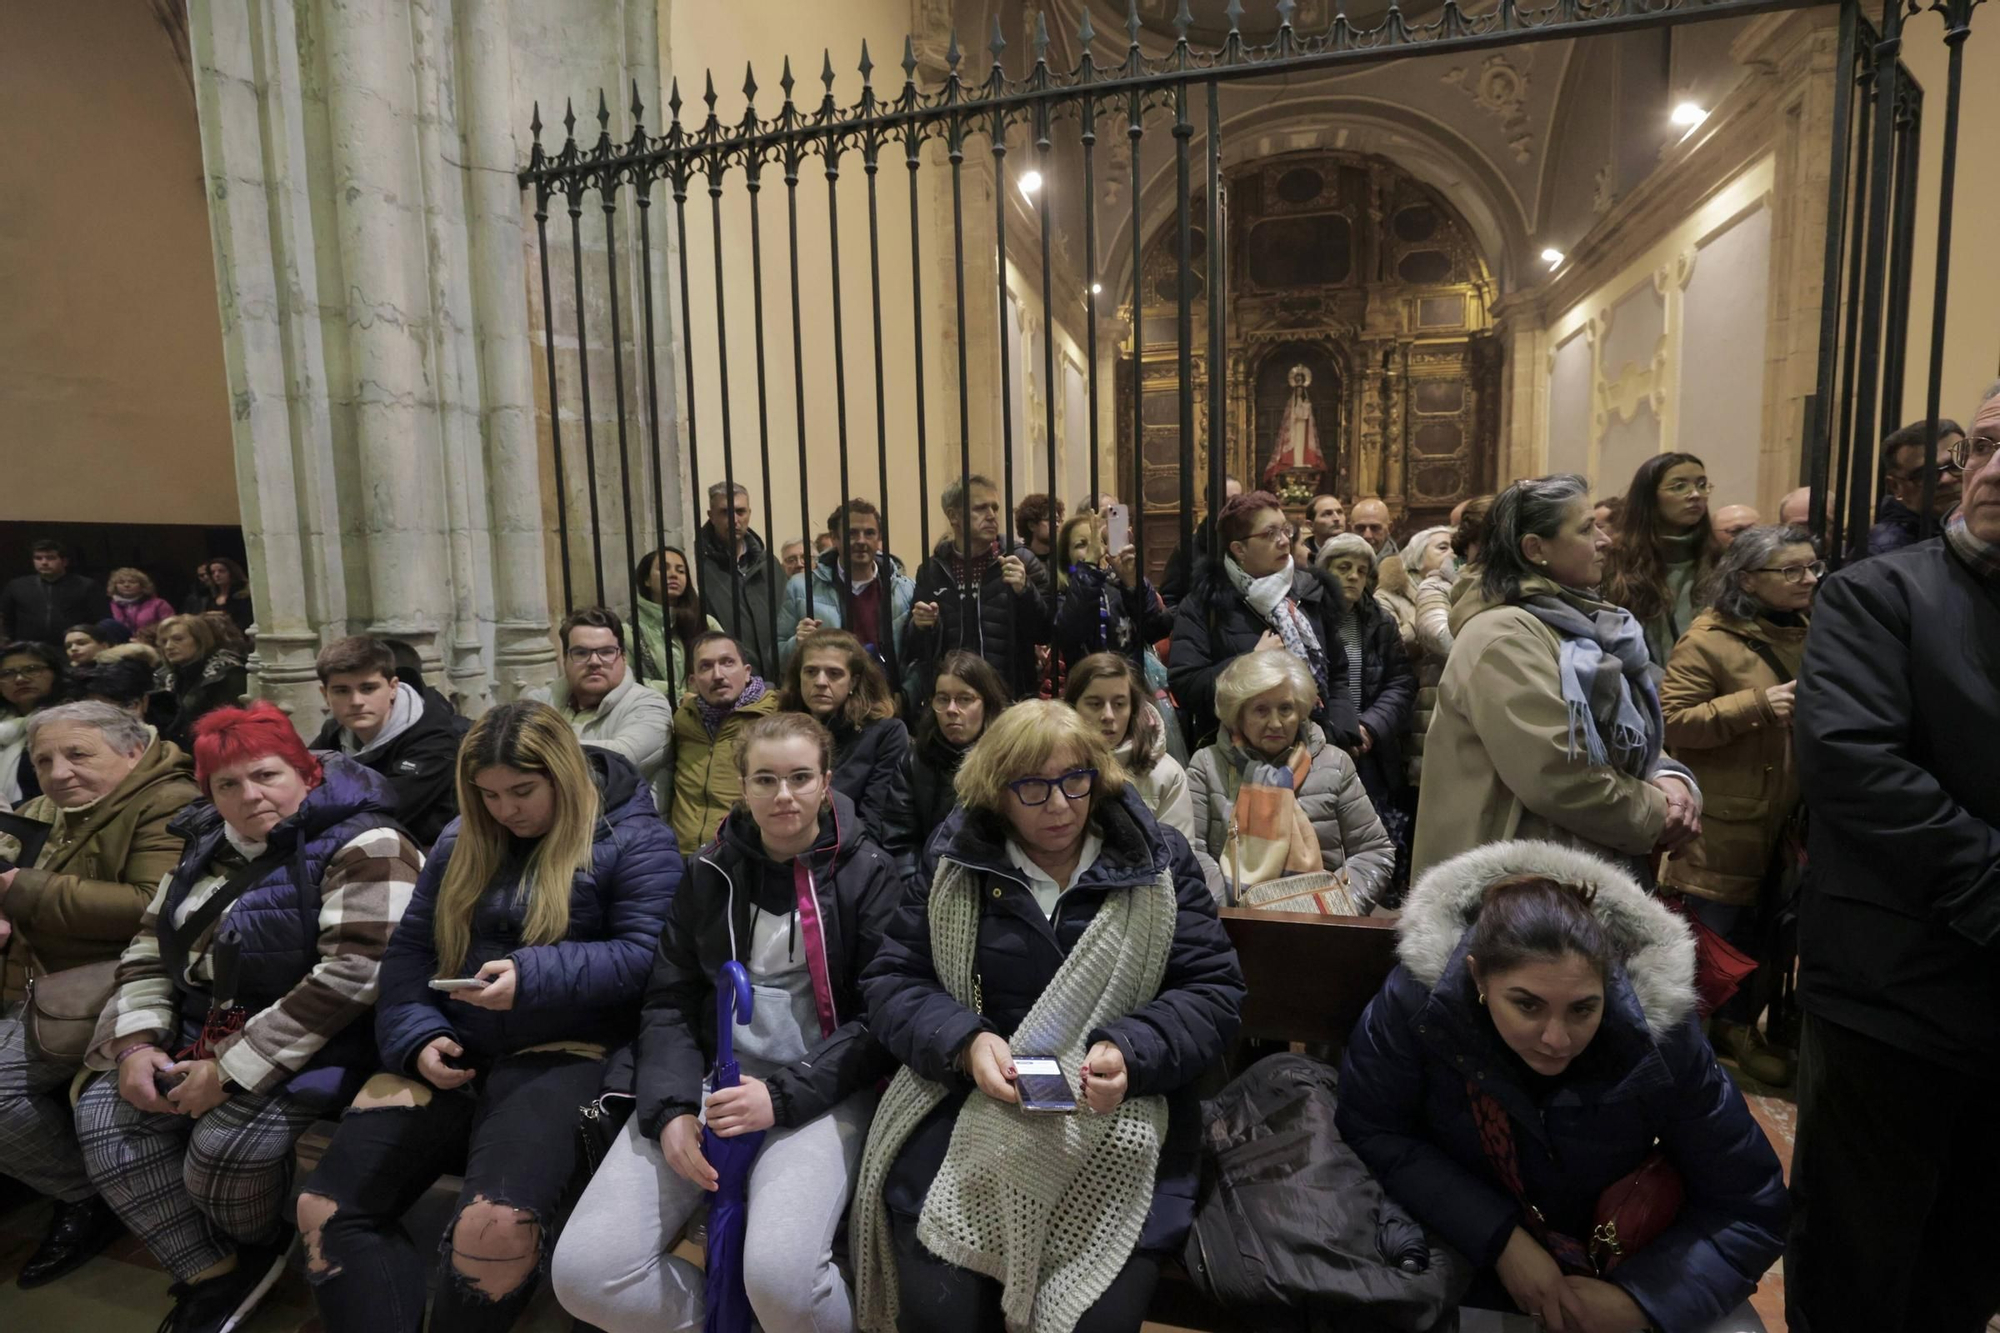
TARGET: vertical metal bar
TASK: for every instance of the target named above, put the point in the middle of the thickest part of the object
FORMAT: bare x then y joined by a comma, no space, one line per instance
1958,26
679,171
1902,237
1135,129
1820,430
1863,150
753,173
830,154
642,178
913,145
1887,71
1218,426
793,156
1184,317
1090,282
871,151
583,370
999,145
957,158
1046,160
542,193
607,197
714,171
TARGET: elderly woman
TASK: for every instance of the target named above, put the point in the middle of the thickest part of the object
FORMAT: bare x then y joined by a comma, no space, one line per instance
1727,699
32,677
110,787
1326,822
135,603
242,1010
1440,589
1535,1047
203,675
1547,722
1380,683
1059,923
1254,598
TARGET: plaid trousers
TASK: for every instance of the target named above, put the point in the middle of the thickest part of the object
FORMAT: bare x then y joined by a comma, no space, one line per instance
193,1190
37,1138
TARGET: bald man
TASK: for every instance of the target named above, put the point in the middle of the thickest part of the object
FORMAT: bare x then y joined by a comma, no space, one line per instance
1369,520
1732,519
1795,510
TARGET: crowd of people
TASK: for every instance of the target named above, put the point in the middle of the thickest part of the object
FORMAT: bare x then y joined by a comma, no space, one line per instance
912,838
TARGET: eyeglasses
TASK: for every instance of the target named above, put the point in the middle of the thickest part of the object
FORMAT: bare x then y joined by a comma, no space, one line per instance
582,655
1277,532
1680,490
26,673
767,785
1979,449
1076,784
1796,573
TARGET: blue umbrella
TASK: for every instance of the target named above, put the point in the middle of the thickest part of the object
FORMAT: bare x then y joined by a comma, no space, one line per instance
729,1208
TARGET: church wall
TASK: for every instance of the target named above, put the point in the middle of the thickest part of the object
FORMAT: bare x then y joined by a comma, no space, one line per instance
110,355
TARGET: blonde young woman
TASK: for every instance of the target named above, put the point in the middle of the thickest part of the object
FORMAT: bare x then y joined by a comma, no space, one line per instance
547,895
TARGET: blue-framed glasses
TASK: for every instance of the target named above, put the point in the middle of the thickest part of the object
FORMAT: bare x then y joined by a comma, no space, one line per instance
1076,784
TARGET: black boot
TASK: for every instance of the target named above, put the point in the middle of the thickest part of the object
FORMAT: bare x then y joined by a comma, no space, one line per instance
77,1231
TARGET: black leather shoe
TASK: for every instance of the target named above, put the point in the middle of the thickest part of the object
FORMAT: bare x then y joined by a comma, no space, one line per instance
78,1231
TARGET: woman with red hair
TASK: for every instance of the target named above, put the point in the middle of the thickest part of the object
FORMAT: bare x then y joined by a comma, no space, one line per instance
243,1007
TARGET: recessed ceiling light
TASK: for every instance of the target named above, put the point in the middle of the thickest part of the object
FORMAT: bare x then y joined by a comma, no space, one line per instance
1687,115
1031,181
1096,289
1552,256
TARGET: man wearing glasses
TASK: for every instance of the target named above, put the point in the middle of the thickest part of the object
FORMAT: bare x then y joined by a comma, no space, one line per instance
1897,727
1898,517
604,704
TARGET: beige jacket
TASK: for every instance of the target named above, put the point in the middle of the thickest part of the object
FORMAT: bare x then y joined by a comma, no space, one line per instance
1497,762
1721,726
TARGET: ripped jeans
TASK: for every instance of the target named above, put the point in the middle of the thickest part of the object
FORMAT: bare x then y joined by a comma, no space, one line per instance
513,1133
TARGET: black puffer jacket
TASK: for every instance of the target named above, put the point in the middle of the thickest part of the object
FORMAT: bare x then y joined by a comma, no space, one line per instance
1388,702
868,765
1167,1042
217,681
420,762
988,618
929,769
856,890
1214,625
1099,614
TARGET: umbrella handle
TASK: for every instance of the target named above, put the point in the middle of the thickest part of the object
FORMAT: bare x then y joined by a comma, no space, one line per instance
732,1005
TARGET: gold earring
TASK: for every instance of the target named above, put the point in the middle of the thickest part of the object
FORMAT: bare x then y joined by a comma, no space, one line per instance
1482,997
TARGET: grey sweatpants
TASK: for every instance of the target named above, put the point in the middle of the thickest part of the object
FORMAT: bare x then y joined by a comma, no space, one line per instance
612,1267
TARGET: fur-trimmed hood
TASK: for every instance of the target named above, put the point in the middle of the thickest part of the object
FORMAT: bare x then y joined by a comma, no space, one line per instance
1655,947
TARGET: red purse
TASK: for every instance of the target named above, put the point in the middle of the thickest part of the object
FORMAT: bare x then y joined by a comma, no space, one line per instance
1631,1212
1720,968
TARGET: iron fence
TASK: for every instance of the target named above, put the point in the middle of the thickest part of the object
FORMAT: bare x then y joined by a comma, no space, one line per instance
1868,267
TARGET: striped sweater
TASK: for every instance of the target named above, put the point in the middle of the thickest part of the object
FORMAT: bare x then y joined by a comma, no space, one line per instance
363,894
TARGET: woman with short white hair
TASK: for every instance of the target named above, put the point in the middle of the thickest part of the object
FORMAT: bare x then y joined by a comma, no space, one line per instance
1264,702
110,788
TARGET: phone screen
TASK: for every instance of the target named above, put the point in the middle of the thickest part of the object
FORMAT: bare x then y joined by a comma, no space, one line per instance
461,983
1042,1085
1118,528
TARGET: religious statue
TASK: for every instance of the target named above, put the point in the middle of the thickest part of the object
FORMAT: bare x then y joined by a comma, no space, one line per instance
1296,463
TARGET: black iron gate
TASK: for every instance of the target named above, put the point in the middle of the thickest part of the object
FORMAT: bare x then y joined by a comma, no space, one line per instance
1868,265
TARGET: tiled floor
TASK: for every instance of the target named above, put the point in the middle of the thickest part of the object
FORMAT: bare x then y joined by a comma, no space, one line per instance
124,1291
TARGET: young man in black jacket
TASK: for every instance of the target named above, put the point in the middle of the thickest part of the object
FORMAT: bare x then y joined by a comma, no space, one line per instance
1897,729
43,605
407,733
996,604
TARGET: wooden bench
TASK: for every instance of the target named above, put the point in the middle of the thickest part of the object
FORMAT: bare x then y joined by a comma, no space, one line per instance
1309,978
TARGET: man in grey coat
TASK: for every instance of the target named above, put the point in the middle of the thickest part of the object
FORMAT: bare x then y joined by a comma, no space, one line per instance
605,704
741,583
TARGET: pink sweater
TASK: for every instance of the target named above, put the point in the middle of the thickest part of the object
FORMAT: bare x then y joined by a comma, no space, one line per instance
136,616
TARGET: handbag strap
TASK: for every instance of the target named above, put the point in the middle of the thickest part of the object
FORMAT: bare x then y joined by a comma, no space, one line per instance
1496,1140
175,940
1764,651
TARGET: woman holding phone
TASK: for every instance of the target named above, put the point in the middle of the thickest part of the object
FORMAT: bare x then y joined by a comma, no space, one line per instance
1106,606
796,891
242,1010
1058,921
548,893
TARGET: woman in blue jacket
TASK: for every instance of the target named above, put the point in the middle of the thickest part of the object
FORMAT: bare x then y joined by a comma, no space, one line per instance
547,894
1545,998
1054,919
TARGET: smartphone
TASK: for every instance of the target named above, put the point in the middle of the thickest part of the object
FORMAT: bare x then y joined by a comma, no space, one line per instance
166,1080
1117,528
1042,1086
462,983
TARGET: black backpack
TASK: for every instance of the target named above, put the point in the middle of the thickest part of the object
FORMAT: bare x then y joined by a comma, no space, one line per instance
1289,1223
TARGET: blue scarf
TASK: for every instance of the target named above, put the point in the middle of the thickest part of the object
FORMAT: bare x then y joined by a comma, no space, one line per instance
1614,709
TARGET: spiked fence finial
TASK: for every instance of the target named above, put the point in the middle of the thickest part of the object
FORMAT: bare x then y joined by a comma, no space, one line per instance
569,117
535,121
1235,14
1041,37
786,81
749,84
999,42
674,99
867,66
1183,20
909,59
1132,24
708,93
1285,8
1085,33
951,55
826,69
638,107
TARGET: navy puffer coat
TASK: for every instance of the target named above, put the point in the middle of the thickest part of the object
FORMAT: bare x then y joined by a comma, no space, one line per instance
868,766
1167,1042
585,987
1647,1076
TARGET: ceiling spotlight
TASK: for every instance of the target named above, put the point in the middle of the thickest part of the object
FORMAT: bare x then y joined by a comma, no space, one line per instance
1031,181
1687,115
1552,256
1097,289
